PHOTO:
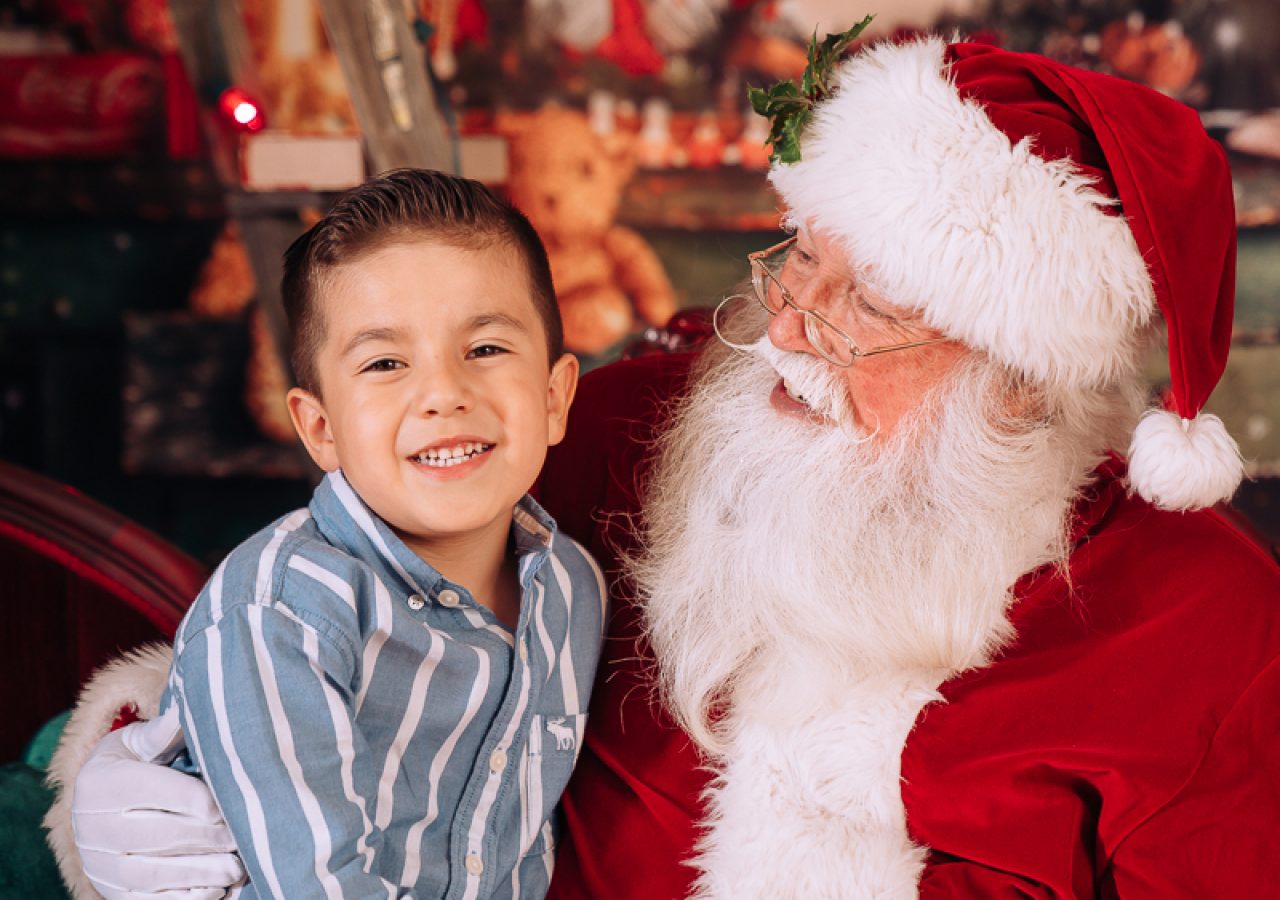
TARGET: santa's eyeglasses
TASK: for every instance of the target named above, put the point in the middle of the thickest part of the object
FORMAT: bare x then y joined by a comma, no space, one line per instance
826,338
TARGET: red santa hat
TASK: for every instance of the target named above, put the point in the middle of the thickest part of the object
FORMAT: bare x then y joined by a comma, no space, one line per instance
1041,213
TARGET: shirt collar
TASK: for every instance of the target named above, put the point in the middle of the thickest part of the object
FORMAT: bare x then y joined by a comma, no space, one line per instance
534,531
349,524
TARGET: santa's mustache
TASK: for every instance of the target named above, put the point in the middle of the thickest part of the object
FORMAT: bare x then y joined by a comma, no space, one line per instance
808,379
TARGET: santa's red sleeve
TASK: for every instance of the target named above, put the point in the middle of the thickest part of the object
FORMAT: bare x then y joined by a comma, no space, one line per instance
1217,836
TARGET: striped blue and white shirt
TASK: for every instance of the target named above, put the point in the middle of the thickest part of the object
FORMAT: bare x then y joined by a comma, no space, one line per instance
368,728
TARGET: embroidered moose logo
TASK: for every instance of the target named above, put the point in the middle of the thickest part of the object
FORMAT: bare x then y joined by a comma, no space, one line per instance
563,733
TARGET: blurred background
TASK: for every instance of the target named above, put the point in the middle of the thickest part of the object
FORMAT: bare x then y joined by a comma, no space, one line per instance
156,157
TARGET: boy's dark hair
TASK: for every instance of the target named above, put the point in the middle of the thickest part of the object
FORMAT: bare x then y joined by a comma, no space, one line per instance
390,208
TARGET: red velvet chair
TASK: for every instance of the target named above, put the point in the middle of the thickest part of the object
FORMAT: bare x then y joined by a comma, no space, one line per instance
80,584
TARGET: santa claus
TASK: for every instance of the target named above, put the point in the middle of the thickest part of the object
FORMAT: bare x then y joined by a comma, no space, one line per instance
893,616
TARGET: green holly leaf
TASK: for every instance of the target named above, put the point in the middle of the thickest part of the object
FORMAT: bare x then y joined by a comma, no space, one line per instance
789,106
785,151
783,91
836,44
810,70
787,148
825,57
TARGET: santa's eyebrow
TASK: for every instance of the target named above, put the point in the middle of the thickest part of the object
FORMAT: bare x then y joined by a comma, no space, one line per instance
366,335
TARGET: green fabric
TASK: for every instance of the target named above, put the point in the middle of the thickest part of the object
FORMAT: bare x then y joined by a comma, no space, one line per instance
27,868
40,750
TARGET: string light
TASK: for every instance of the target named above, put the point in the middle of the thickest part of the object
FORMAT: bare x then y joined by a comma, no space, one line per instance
243,111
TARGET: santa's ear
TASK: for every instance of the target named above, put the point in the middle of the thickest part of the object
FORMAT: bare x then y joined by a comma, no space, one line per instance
312,424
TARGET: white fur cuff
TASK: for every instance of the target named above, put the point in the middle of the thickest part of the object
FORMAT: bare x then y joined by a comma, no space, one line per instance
136,679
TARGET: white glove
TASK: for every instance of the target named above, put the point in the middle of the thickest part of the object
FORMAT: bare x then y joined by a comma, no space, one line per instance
145,830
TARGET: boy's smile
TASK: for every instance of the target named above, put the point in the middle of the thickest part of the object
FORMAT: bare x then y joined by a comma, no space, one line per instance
438,399
452,453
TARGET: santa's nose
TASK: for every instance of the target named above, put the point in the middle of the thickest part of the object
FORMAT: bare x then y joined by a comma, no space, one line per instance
786,331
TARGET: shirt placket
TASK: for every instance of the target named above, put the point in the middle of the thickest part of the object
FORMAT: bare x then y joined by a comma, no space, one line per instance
489,792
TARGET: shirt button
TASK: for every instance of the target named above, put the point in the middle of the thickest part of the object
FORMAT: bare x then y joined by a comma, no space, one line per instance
497,761
524,652
416,602
475,865
450,599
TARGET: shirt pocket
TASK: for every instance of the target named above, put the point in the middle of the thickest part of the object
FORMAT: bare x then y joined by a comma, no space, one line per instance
550,755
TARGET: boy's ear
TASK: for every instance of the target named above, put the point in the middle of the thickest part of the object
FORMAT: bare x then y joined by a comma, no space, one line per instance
312,424
560,390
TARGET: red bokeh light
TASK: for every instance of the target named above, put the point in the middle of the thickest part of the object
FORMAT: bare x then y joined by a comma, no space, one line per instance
241,109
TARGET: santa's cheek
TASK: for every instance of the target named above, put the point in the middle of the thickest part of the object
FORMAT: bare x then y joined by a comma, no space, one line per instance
876,407
862,396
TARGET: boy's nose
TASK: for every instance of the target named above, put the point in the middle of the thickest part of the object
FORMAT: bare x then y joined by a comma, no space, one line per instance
443,391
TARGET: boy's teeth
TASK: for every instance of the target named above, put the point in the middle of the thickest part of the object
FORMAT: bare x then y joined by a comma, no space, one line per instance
452,456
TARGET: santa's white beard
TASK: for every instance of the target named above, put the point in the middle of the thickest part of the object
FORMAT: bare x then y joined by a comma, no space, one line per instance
807,588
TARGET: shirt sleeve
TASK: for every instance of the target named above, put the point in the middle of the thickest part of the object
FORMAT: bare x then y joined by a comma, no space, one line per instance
268,714
1217,836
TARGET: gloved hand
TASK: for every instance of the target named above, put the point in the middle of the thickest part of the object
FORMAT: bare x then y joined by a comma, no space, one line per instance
145,830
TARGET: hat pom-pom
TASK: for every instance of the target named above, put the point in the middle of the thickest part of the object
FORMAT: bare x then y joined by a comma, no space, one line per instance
1183,464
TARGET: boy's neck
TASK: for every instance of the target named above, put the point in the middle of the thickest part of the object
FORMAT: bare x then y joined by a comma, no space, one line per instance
482,563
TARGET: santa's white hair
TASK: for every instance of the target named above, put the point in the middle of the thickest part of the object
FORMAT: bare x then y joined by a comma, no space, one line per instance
806,588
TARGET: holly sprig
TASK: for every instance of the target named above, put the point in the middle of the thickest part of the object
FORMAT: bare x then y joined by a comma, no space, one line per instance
789,106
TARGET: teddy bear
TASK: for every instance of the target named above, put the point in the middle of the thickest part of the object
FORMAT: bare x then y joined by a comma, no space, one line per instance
298,71
568,180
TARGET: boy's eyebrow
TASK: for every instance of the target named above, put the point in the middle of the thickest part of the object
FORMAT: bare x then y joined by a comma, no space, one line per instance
371,334
383,333
484,320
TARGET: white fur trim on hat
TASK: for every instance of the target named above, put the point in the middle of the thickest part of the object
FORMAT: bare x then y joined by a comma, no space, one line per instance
1183,464
997,247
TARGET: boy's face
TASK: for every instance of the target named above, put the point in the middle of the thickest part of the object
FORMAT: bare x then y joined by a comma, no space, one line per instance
439,402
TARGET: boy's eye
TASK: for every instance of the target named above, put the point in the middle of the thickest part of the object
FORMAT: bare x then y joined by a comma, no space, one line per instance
485,350
383,365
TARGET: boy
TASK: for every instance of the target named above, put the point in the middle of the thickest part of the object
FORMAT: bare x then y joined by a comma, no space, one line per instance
386,690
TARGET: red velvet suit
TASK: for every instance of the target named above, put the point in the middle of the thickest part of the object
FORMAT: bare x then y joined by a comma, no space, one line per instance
1126,744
